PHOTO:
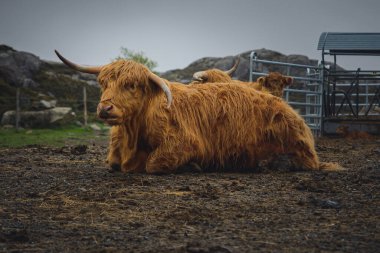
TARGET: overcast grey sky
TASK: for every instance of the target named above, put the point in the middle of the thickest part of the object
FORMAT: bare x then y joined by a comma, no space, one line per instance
176,32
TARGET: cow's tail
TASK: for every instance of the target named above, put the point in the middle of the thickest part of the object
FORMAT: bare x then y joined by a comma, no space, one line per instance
330,166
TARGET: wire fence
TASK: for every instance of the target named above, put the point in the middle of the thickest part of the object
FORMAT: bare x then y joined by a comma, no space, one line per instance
84,109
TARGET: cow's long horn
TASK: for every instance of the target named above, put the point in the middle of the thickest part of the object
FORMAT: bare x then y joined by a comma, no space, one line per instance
200,76
229,72
90,70
157,80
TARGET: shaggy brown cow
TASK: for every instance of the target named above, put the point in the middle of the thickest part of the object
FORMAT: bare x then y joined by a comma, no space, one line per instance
274,83
220,126
215,75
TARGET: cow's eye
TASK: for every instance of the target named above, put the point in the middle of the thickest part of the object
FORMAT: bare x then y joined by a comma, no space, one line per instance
131,87
103,85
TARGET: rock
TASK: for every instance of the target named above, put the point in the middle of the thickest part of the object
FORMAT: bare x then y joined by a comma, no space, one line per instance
50,94
44,118
330,204
8,126
324,203
78,123
29,83
78,150
16,66
94,127
58,113
15,236
47,104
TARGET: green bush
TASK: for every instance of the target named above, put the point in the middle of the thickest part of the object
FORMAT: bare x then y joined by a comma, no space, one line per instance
137,57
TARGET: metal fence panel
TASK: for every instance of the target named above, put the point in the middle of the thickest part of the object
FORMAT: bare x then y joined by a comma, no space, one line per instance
307,98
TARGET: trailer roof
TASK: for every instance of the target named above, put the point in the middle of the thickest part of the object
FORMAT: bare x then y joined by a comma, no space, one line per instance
350,43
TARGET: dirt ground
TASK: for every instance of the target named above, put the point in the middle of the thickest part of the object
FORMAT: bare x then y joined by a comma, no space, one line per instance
65,200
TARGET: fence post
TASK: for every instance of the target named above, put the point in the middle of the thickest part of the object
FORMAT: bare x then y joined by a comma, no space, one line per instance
85,105
366,97
17,108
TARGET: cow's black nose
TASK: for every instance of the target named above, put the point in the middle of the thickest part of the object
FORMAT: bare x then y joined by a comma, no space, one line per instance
104,111
103,114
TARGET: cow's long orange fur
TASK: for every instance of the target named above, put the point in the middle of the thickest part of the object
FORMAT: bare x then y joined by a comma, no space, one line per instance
220,125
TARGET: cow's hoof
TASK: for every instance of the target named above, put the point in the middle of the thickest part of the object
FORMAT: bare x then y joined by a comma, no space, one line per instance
115,167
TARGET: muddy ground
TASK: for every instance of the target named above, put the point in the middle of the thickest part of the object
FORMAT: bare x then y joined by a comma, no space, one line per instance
65,200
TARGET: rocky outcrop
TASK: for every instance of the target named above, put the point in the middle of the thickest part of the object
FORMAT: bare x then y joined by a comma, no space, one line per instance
17,68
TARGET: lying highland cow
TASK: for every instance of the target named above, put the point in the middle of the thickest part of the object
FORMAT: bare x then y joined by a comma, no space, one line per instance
218,126
274,83
215,75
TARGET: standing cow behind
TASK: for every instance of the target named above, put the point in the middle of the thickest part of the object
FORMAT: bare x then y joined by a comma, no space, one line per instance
274,83
219,126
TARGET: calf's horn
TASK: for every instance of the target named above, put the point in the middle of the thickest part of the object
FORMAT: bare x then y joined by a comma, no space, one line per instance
90,70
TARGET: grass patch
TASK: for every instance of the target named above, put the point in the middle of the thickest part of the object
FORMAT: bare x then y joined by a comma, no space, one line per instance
57,137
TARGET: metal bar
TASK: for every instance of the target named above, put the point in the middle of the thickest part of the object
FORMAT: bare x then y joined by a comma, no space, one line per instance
357,92
85,106
360,94
350,114
17,123
345,99
251,65
364,85
361,104
377,95
316,116
305,104
294,77
366,97
287,64
303,91
321,99
329,84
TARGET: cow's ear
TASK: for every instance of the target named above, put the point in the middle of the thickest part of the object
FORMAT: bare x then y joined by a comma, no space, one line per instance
288,80
261,80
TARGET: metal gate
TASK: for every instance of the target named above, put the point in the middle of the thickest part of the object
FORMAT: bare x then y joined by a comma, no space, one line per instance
305,96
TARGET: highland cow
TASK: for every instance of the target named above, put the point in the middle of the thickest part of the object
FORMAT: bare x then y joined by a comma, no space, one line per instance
219,126
215,75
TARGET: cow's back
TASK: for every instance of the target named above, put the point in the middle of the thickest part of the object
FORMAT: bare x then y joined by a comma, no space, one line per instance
231,124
